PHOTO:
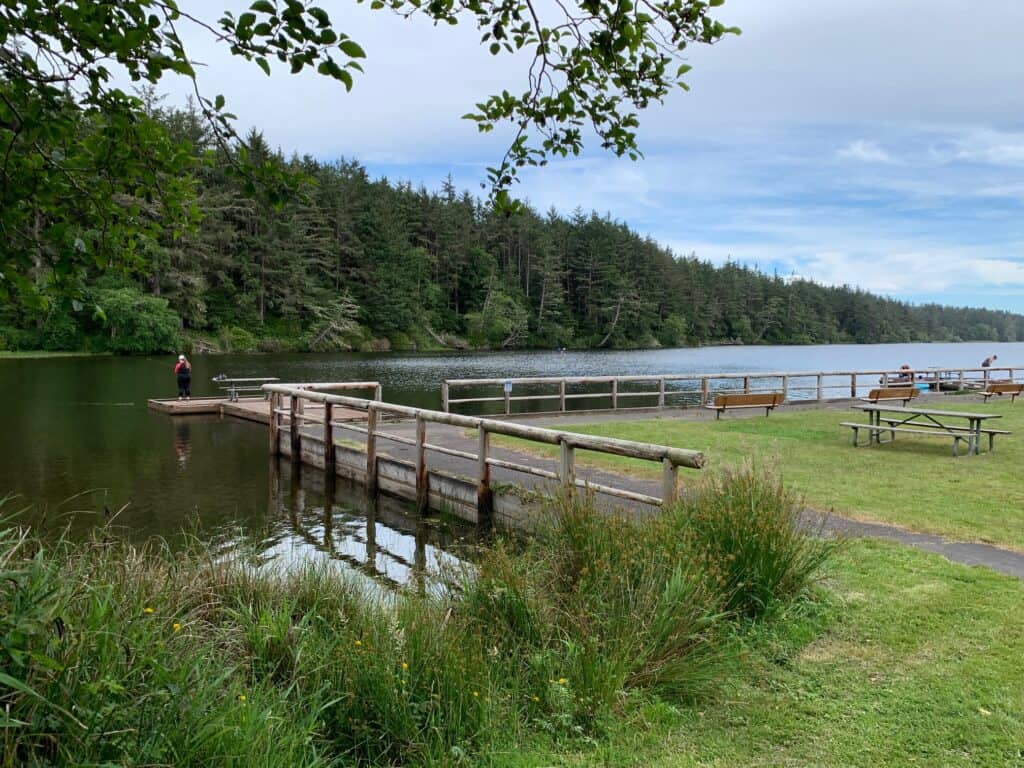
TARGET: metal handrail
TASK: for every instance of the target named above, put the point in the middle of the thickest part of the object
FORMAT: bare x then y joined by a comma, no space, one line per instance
235,385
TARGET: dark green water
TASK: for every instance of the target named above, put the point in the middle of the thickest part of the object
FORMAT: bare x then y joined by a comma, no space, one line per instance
78,437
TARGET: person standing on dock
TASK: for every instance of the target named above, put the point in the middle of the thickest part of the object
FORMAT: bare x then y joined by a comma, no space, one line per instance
987,362
183,372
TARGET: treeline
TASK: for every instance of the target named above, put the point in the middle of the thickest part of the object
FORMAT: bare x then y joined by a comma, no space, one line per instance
356,263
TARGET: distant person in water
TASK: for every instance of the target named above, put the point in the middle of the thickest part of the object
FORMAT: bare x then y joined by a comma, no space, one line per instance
183,372
987,362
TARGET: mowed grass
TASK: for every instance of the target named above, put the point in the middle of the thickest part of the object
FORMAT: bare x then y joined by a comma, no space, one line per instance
914,482
911,660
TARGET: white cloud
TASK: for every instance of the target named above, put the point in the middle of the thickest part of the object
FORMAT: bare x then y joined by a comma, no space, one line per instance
864,151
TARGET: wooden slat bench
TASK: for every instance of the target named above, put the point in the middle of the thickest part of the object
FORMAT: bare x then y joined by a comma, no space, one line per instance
906,394
767,400
1001,389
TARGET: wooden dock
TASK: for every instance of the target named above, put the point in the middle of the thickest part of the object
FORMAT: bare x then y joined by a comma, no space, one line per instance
453,472
247,408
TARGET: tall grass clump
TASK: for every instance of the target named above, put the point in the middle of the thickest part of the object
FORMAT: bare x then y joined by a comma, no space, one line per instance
750,532
114,654
607,604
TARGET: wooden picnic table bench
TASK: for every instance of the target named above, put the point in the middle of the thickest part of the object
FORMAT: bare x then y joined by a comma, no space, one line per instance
1003,388
766,400
906,394
923,421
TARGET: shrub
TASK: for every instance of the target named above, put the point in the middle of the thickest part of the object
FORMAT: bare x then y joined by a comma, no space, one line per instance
748,530
237,339
136,323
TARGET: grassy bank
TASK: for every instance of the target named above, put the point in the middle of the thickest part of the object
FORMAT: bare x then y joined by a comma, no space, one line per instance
113,655
910,660
914,483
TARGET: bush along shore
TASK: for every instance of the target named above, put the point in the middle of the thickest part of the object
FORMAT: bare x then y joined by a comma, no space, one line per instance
115,654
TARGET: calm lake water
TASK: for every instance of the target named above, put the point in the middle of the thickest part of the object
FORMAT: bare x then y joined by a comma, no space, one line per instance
79,439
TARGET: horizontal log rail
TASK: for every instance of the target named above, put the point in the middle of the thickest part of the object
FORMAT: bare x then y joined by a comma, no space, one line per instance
700,388
301,395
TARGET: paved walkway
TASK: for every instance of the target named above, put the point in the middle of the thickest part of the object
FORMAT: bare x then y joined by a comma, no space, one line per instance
997,558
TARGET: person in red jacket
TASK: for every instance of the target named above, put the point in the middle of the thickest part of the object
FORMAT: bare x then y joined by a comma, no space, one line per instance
183,372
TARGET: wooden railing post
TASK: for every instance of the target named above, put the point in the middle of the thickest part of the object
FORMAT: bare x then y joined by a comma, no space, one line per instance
378,392
293,412
961,384
669,483
785,388
853,385
561,395
371,451
746,385
821,386
275,424
661,393
444,396
703,390
615,394
567,465
422,490
484,495
507,389
329,452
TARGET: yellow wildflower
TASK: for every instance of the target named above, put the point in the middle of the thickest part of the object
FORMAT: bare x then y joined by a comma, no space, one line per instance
175,626
358,643
476,694
404,666
562,681
241,698
535,698
147,609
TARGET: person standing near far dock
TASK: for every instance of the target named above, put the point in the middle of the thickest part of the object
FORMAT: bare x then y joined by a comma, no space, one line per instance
987,362
183,372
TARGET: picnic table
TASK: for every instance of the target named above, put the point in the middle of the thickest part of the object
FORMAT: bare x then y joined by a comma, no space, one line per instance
957,425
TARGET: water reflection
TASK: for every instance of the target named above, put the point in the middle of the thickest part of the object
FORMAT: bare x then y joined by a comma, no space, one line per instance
315,517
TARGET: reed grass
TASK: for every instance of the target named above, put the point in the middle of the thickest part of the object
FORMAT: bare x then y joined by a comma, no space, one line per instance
115,654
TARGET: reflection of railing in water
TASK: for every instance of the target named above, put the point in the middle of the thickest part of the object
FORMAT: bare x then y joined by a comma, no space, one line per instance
430,487
699,388
344,514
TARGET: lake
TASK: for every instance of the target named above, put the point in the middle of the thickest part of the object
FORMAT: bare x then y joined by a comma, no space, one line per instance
79,439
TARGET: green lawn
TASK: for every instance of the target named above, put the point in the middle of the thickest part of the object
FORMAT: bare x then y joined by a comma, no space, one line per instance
913,661
914,483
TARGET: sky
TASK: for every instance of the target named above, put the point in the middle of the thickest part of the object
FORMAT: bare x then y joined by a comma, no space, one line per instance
877,143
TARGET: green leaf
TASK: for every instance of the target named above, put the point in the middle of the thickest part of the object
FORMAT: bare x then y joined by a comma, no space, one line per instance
264,6
352,49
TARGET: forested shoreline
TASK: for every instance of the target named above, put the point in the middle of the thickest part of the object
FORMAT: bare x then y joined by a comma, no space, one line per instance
353,263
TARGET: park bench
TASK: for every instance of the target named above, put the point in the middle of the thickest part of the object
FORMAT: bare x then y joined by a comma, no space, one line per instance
767,400
1003,388
891,393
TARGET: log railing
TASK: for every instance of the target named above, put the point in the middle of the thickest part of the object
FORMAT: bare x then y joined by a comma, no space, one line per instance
688,389
302,397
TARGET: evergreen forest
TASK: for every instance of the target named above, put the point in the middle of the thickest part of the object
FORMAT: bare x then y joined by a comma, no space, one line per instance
348,262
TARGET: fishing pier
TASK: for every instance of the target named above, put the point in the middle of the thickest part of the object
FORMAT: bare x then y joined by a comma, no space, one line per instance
441,460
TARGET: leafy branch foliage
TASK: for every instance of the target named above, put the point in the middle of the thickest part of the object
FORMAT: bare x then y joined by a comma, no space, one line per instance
87,176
